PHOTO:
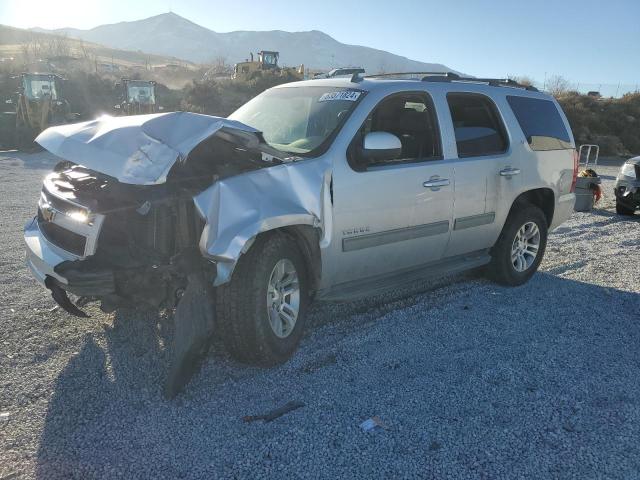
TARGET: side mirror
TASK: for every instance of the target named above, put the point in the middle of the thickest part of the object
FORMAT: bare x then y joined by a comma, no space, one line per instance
381,146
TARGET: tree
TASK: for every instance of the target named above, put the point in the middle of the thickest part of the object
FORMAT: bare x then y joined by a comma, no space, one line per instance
557,85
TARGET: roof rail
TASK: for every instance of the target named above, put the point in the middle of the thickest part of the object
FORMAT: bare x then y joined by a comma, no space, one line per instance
494,82
397,74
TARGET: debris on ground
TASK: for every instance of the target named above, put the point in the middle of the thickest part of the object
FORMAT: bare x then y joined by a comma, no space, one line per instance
4,416
435,445
373,424
273,414
194,319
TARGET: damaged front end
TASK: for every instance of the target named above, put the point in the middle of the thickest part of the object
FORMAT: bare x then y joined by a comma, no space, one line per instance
117,217
118,222
117,243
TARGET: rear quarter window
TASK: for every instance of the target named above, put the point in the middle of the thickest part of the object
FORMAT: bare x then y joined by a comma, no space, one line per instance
541,123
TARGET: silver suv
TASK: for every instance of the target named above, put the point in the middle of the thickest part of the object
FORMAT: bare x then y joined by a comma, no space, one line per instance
330,189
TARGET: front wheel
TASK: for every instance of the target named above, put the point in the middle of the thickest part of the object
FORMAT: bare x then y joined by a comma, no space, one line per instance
261,311
520,247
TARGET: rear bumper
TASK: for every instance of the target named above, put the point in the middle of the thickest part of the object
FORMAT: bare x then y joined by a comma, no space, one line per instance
563,210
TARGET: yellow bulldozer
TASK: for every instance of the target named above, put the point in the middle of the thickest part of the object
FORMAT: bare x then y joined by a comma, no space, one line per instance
137,97
38,105
267,61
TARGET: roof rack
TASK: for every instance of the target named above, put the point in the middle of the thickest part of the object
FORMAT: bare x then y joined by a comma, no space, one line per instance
397,74
452,77
494,82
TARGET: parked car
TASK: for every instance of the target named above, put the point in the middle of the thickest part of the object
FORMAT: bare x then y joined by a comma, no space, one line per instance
331,189
627,187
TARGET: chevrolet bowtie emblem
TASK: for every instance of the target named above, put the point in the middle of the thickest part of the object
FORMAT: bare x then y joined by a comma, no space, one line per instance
48,213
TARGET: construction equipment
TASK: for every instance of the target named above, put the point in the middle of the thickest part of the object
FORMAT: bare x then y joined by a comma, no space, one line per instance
39,105
267,61
137,97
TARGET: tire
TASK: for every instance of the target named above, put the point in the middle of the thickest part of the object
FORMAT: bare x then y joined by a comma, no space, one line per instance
622,209
243,318
503,269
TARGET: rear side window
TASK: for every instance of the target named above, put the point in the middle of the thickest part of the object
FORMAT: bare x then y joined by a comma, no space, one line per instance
541,123
478,128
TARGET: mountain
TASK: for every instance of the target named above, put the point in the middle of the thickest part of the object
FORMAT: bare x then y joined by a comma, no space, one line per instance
172,35
14,40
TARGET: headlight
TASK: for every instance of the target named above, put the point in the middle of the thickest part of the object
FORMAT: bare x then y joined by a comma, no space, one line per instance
79,216
628,170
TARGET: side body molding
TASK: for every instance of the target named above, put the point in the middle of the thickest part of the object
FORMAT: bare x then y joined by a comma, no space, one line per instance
238,208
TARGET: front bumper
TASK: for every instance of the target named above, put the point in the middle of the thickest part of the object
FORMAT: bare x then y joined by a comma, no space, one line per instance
45,260
42,256
627,192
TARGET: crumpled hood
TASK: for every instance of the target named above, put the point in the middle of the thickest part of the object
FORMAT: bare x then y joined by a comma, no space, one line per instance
138,149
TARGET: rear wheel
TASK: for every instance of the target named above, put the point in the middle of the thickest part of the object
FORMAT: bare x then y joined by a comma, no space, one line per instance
262,310
520,247
622,209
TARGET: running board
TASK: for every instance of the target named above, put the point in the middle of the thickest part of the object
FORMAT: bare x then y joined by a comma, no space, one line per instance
356,289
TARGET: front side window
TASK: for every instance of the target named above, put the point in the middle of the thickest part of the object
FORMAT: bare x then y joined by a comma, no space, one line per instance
478,128
299,120
541,123
410,117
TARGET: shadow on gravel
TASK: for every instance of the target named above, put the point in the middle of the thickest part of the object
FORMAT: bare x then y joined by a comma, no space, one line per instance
501,380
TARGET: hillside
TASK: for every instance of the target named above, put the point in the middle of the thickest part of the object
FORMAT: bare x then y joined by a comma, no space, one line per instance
41,44
172,35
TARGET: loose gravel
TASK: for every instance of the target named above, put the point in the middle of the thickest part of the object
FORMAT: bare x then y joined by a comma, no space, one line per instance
471,380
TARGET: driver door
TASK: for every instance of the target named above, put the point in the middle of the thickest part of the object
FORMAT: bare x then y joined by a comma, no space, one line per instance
396,214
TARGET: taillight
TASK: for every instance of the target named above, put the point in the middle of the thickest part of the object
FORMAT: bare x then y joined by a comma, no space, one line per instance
575,171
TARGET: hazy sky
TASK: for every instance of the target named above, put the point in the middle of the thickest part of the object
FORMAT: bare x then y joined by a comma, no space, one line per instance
585,41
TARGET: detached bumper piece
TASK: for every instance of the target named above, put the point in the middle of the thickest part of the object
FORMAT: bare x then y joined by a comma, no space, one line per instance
62,299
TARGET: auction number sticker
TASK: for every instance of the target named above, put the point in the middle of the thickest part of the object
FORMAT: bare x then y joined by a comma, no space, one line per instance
349,95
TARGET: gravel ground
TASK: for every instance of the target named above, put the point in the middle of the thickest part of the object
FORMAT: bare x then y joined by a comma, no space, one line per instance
472,380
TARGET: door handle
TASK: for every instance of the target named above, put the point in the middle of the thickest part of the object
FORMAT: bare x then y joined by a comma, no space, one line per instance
509,172
436,183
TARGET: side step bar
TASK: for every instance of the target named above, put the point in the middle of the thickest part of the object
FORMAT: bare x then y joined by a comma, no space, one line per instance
353,290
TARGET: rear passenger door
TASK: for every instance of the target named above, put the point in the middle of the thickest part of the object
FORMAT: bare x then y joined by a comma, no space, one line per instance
486,174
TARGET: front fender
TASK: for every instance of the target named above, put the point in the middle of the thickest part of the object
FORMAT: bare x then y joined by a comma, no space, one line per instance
238,208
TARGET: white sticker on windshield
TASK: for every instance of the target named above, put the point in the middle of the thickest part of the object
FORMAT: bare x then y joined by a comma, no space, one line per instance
349,95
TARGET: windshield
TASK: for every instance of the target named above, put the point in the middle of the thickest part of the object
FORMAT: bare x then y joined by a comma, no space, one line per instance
40,87
299,120
141,92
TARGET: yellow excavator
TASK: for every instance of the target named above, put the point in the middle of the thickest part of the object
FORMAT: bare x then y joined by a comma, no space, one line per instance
137,97
39,105
267,61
